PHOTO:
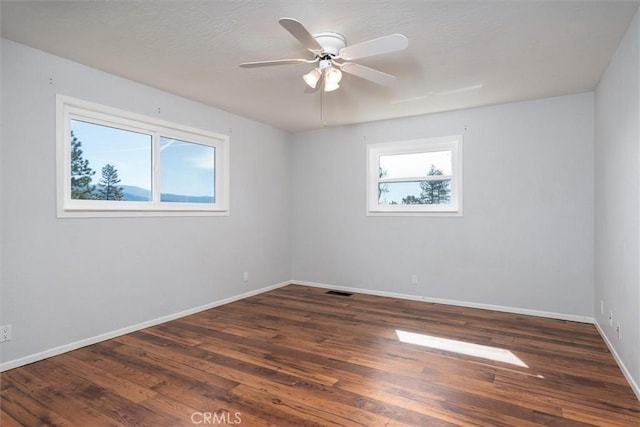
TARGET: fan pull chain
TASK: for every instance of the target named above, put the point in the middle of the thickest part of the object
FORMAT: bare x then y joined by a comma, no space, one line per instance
322,105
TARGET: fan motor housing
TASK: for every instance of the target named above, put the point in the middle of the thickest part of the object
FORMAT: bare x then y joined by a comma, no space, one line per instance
331,42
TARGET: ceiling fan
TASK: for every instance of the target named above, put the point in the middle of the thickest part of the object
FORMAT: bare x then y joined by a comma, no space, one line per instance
332,55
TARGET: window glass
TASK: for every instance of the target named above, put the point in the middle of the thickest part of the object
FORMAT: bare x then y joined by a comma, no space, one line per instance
108,163
415,193
415,165
187,171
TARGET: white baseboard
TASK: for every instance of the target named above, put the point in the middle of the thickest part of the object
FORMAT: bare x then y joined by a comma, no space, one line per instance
561,316
108,335
623,368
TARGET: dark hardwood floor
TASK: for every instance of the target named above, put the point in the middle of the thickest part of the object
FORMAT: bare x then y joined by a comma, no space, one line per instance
299,357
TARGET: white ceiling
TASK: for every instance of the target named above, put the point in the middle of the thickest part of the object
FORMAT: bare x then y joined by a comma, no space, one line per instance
461,53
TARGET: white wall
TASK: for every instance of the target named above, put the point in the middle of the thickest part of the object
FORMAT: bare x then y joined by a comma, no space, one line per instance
525,240
66,280
617,200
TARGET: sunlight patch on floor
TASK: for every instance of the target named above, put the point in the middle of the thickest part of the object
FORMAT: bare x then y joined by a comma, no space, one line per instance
461,347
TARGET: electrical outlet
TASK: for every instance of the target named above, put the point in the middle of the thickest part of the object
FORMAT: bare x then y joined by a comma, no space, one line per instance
245,277
602,307
611,317
5,333
414,279
618,329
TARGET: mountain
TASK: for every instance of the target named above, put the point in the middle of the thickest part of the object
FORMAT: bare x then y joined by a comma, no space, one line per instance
136,194
168,197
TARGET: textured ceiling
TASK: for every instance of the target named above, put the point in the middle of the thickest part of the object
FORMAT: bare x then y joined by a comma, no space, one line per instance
461,53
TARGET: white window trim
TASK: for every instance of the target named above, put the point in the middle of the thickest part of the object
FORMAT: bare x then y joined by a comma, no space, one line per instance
68,108
448,143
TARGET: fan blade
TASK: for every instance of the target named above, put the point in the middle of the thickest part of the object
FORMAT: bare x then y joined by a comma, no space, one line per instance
298,31
276,62
368,74
386,44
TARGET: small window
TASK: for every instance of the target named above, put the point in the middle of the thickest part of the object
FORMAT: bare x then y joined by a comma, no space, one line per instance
420,177
114,163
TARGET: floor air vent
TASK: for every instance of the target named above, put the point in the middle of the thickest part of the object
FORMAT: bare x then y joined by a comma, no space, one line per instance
339,293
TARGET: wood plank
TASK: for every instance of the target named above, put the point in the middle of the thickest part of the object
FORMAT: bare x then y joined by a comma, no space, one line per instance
21,408
296,356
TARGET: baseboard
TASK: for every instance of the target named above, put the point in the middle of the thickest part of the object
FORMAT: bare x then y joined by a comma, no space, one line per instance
506,309
623,368
11,364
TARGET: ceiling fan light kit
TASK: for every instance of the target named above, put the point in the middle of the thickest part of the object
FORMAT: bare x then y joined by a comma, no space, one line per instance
332,54
326,70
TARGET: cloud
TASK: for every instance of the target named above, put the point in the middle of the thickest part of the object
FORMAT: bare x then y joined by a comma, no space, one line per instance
205,161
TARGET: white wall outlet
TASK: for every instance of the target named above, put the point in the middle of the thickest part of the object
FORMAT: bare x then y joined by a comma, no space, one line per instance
618,329
414,279
5,333
245,276
611,318
602,307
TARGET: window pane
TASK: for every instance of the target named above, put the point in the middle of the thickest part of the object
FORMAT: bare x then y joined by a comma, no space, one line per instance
415,165
415,193
109,163
187,171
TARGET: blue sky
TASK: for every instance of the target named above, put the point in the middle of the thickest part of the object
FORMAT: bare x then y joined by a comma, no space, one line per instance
185,168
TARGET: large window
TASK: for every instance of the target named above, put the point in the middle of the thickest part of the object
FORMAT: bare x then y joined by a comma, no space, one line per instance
114,163
421,177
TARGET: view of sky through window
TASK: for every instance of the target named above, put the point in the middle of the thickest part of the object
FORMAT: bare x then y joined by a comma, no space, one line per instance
187,170
128,152
414,165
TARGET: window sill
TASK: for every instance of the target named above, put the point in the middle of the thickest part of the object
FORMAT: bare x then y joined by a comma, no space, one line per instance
138,214
414,213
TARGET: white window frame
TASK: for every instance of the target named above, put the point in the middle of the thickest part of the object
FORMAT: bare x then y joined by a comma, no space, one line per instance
68,109
448,143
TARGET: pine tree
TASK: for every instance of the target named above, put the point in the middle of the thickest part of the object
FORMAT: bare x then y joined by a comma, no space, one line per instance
411,200
81,173
109,189
435,192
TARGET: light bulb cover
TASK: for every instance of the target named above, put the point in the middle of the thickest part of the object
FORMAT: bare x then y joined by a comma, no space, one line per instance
333,75
330,86
312,78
